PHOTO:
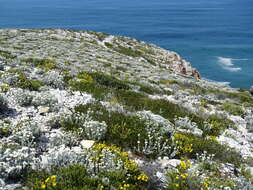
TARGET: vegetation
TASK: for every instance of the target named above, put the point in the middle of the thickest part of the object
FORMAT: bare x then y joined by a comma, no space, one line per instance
46,64
3,104
79,177
232,108
190,145
7,55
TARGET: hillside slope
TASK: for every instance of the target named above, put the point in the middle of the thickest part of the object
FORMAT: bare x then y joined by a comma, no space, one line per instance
84,110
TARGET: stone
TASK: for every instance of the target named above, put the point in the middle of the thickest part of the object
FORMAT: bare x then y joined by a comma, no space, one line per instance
43,110
251,90
196,74
86,144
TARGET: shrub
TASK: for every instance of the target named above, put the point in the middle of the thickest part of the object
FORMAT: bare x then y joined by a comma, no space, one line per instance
46,64
215,126
3,104
84,126
24,82
128,51
109,81
24,98
122,130
106,168
232,108
7,55
190,145
180,179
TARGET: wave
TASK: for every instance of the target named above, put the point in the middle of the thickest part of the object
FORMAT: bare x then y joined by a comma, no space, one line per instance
232,69
227,63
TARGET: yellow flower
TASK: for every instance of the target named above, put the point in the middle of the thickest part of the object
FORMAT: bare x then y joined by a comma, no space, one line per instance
54,184
177,185
47,180
43,186
142,177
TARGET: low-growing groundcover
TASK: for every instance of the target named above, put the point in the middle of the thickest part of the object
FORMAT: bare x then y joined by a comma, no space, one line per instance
124,175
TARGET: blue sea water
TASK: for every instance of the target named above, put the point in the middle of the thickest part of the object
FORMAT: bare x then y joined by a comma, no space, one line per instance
215,36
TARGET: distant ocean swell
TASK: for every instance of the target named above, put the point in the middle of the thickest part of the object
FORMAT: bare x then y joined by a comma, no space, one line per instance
228,63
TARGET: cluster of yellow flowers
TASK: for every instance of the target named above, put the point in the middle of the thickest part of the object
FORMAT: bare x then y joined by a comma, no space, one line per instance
183,144
185,164
205,184
181,174
49,182
142,177
124,187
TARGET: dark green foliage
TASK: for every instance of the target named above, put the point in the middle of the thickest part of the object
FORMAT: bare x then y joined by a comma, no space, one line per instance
46,64
7,54
222,153
3,104
5,132
97,91
109,81
76,177
97,84
128,51
24,82
218,125
101,36
232,108
149,89
108,45
122,129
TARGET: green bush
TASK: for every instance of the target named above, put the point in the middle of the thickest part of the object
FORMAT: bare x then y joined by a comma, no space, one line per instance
77,177
122,129
128,51
7,55
46,64
200,144
24,82
3,104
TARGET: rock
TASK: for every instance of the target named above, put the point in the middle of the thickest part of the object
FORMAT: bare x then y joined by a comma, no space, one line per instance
167,163
43,110
196,74
86,144
251,90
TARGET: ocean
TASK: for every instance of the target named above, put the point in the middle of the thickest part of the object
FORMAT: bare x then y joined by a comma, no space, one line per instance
215,36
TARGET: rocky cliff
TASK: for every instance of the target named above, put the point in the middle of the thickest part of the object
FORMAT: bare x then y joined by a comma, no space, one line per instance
86,110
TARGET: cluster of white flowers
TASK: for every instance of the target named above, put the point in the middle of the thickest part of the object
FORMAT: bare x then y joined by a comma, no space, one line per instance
155,144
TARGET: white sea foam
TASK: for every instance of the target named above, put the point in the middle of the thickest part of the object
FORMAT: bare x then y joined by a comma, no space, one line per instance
232,69
228,63
225,61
